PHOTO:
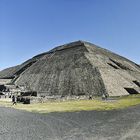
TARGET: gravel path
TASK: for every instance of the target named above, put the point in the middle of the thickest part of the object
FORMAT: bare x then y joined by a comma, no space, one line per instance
90,125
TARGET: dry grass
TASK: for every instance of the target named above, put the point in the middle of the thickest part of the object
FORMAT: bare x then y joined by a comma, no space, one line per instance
82,105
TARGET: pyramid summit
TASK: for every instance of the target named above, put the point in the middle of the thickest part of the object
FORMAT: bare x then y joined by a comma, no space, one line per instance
79,68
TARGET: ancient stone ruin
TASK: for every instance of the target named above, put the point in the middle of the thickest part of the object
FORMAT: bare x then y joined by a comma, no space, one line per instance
76,69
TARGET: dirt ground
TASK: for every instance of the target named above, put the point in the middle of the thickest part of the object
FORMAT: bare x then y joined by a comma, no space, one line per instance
91,125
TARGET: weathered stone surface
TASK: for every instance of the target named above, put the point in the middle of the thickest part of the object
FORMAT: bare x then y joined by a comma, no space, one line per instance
77,68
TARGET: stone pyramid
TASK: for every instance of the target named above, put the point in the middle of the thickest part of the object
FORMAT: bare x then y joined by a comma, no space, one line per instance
78,68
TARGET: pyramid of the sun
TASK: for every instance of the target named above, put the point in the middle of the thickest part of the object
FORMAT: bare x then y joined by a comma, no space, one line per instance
78,68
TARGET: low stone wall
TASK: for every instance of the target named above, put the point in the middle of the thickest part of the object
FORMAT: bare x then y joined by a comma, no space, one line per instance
31,99
5,81
57,98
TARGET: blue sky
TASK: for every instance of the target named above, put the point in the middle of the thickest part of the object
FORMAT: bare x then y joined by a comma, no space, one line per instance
29,27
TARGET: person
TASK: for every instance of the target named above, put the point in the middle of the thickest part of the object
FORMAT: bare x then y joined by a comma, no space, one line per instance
104,97
90,97
14,100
